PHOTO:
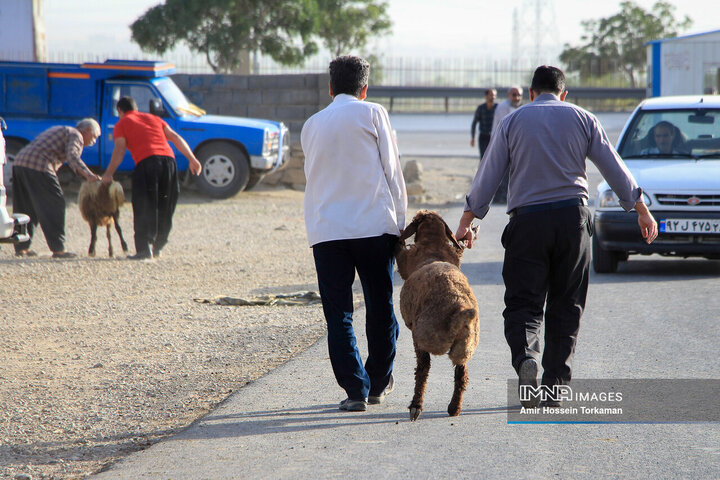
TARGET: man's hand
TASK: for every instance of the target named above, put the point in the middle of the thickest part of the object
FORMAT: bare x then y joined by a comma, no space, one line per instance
107,178
648,225
472,142
464,231
93,178
195,166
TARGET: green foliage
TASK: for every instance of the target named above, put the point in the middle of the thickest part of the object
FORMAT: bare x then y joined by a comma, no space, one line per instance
617,43
286,30
224,29
344,25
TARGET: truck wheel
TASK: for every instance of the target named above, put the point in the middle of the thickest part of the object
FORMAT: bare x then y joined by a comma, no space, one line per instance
225,170
12,147
604,261
254,180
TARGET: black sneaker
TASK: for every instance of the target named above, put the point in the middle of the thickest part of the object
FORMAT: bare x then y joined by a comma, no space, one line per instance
551,403
380,398
353,405
527,375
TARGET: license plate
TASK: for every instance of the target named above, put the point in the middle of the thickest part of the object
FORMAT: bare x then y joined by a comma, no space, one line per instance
695,225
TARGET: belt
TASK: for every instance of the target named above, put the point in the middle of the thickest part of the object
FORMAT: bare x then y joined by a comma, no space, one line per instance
540,207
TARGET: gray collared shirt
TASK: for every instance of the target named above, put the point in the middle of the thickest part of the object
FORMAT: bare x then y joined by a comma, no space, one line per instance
545,144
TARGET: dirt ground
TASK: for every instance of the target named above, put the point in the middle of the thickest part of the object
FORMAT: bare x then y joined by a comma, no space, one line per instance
103,356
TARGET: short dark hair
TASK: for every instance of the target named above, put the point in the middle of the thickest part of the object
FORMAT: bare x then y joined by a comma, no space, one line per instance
126,104
349,74
548,79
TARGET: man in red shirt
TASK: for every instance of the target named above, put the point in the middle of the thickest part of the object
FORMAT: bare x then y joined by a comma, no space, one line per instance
155,186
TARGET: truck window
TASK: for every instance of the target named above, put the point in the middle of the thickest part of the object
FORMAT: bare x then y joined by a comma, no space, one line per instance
142,95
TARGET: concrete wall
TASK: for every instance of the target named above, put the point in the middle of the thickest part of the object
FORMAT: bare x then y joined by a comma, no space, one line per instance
291,99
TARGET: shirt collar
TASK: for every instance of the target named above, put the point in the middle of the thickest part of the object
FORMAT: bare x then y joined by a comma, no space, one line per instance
344,98
547,97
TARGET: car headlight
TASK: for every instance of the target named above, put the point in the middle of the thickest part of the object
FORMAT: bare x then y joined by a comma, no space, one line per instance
608,199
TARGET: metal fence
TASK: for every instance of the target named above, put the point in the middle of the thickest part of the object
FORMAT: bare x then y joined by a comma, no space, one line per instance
401,71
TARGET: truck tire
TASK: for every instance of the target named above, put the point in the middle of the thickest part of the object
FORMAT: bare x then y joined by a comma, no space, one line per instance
254,180
12,147
225,170
604,261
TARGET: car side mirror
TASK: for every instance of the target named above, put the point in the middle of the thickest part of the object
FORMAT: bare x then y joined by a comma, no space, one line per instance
157,108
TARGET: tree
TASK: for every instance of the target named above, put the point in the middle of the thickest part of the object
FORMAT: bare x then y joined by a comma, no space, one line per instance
347,24
618,42
223,29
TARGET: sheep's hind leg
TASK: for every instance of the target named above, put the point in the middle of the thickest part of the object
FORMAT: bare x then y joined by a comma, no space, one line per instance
123,244
110,249
93,240
461,381
421,376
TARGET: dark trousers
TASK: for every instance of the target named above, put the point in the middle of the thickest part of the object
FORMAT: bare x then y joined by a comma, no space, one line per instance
547,264
336,262
483,142
155,191
39,195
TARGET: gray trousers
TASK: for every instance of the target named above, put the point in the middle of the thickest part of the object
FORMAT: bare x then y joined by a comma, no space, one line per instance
39,195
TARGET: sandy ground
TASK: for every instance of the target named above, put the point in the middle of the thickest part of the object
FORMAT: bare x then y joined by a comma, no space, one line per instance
105,356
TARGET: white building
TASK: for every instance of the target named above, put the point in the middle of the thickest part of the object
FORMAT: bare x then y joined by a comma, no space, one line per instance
686,65
22,32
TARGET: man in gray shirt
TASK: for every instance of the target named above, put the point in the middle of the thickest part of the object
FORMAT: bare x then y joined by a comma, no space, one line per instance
547,240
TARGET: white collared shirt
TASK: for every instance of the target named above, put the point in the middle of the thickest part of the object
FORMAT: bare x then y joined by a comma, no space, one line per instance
355,186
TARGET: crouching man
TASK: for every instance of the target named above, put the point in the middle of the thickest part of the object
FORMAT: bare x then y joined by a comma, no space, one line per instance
36,189
355,203
155,186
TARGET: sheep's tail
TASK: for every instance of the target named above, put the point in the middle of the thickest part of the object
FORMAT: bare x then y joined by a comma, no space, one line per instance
461,320
117,194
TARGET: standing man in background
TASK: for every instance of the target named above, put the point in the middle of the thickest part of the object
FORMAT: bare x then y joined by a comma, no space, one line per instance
505,108
36,189
547,239
484,115
155,186
355,206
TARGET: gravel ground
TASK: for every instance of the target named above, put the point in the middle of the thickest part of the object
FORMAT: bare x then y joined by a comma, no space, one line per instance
102,357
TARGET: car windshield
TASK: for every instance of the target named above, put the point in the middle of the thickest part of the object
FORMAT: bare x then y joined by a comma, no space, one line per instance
661,134
176,98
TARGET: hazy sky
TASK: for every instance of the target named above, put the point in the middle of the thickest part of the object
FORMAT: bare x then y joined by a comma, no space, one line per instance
427,28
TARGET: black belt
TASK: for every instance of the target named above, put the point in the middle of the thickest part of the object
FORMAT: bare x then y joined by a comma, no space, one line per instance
539,207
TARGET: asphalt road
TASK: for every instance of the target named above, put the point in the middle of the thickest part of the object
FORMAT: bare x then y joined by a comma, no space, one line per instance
431,135
653,319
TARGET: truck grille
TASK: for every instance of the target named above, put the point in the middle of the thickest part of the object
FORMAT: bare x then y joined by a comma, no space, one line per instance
684,200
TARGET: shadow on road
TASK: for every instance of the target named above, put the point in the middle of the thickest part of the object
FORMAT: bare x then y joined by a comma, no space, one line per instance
660,270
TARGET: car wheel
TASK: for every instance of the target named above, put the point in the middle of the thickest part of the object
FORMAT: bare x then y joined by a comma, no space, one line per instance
604,261
225,170
12,148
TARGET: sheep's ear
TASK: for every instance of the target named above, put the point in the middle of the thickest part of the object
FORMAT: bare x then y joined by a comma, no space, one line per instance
409,231
452,238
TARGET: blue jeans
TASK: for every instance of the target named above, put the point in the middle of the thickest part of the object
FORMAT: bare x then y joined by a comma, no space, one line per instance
336,262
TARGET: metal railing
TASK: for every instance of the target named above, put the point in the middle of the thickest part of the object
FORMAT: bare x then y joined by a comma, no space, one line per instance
575,94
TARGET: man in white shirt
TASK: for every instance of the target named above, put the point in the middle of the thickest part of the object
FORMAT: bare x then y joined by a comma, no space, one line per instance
355,205
505,108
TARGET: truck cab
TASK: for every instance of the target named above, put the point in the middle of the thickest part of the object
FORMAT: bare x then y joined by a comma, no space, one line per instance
236,153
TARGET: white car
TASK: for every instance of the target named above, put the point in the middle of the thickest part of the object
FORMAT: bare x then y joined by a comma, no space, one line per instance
12,229
672,147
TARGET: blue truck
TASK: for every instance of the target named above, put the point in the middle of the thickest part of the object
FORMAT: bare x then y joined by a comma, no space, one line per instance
236,153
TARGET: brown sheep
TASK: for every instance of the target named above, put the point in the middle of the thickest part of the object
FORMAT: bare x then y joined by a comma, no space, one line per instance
100,206
437,304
